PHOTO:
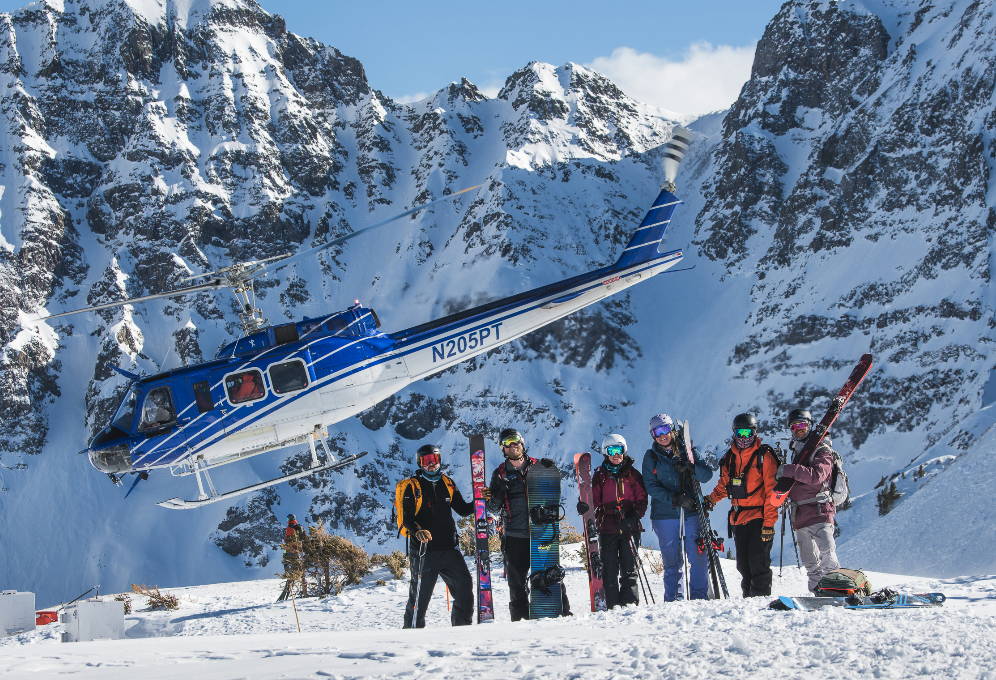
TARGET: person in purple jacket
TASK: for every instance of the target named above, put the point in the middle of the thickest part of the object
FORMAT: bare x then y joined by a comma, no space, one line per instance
810,503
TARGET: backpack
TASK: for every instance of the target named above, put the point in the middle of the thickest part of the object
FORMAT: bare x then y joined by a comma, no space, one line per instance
843,582
838,486
402,489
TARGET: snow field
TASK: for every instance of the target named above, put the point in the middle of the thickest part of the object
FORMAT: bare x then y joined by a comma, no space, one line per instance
236,630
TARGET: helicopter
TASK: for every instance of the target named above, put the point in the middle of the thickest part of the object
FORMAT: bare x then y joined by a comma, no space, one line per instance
283,385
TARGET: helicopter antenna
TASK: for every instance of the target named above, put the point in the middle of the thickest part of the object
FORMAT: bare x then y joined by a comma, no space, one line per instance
239,277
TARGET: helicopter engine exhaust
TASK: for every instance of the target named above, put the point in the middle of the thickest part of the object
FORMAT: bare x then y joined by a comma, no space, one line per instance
674,152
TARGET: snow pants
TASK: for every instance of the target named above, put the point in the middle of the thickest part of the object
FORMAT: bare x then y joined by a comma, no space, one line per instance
753,558
669,536
516,553
619,568
817,550
451,567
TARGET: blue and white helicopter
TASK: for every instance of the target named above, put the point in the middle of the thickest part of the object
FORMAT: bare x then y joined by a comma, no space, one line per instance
284,385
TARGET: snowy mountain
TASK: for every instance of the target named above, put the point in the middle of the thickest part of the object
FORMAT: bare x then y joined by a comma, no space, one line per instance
844,205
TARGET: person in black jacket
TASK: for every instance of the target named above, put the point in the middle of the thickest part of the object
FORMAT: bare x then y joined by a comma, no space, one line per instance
428,502
507,495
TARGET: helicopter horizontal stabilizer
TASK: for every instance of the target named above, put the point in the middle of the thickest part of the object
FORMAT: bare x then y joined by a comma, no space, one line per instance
181,504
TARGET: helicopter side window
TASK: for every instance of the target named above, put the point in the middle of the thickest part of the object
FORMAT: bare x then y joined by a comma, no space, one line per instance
202,395
245,386
289,376
157,410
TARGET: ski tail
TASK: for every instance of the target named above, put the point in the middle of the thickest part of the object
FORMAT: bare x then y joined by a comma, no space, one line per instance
645,243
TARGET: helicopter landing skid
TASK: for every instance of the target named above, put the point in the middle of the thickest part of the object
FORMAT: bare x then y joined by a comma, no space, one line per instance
204,499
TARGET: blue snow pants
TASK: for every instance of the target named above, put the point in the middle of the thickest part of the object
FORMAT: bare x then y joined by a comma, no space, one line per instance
668,535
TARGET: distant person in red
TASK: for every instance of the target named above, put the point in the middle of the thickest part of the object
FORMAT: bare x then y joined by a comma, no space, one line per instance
294,538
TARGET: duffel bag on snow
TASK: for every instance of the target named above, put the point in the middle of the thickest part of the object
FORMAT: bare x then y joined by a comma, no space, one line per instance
843,582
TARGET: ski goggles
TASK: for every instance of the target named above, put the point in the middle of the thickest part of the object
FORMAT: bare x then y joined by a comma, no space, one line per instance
799,426
661,430
511,440
614,450
744,432
430,459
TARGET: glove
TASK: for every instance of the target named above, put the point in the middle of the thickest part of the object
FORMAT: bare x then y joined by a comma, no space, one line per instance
423,535
631,525
708,505
486,493
767,533
582,507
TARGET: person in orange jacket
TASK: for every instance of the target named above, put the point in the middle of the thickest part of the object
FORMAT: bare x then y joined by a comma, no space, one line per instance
747,478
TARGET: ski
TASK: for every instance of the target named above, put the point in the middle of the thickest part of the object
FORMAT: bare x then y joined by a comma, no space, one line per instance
485,603
596,584
545,573
885,599
708,540
785,484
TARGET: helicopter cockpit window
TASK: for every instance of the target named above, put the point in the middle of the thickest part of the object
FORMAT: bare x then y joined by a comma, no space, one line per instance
125,413
245,386
289,376
157,410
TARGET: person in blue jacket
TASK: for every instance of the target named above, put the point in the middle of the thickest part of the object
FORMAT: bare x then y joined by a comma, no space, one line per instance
668,481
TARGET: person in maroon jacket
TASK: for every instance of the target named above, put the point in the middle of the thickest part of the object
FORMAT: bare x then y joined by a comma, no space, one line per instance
810,503
620,502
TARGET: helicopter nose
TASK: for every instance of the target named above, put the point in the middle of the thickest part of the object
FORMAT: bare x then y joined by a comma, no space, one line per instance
113,459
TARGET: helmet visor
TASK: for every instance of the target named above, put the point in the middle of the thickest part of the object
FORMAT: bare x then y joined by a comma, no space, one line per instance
614,450
508,441
799,426
429,459
744,432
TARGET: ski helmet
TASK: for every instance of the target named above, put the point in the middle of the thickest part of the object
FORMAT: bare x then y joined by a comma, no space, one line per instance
291,518
799,414
745,420
614,440
511,434
425,450
661,420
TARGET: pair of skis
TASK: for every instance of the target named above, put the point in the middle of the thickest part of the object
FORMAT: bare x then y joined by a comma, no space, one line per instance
885,599
485,602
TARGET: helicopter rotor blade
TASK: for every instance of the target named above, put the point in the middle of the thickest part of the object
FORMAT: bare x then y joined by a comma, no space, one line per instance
245,267
328,244
213,285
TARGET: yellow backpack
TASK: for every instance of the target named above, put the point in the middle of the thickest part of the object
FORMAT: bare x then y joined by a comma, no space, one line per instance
402,489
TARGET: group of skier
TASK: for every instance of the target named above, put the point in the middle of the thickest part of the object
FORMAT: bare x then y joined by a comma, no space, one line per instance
749,471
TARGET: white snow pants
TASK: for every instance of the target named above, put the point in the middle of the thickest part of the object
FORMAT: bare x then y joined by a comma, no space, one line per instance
817,550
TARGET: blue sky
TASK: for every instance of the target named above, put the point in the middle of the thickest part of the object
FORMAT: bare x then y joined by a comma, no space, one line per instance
684,56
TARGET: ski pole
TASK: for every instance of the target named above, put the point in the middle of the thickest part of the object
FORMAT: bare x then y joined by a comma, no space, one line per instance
781,545
418,581
643,569
641,575
78,597
684,557
795,545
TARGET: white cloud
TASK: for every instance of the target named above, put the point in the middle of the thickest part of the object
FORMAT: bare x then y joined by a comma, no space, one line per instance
412,98
707,79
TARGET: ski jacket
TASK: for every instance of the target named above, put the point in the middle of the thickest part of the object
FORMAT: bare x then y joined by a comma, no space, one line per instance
664,481
435,513
508,497
812,477
616,496
757,477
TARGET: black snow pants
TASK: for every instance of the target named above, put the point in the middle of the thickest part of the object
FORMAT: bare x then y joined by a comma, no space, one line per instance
753,559
619,569
449,565
516,552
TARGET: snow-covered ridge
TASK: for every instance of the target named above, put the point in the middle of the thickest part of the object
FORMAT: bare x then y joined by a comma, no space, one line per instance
236,629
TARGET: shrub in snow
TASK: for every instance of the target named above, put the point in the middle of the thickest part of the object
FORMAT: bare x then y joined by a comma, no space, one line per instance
396,563
887,498
157,599
332,562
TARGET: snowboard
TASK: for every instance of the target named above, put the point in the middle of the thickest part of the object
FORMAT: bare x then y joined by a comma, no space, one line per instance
708,540
545,573
596,584
887,600
785,484
485,603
